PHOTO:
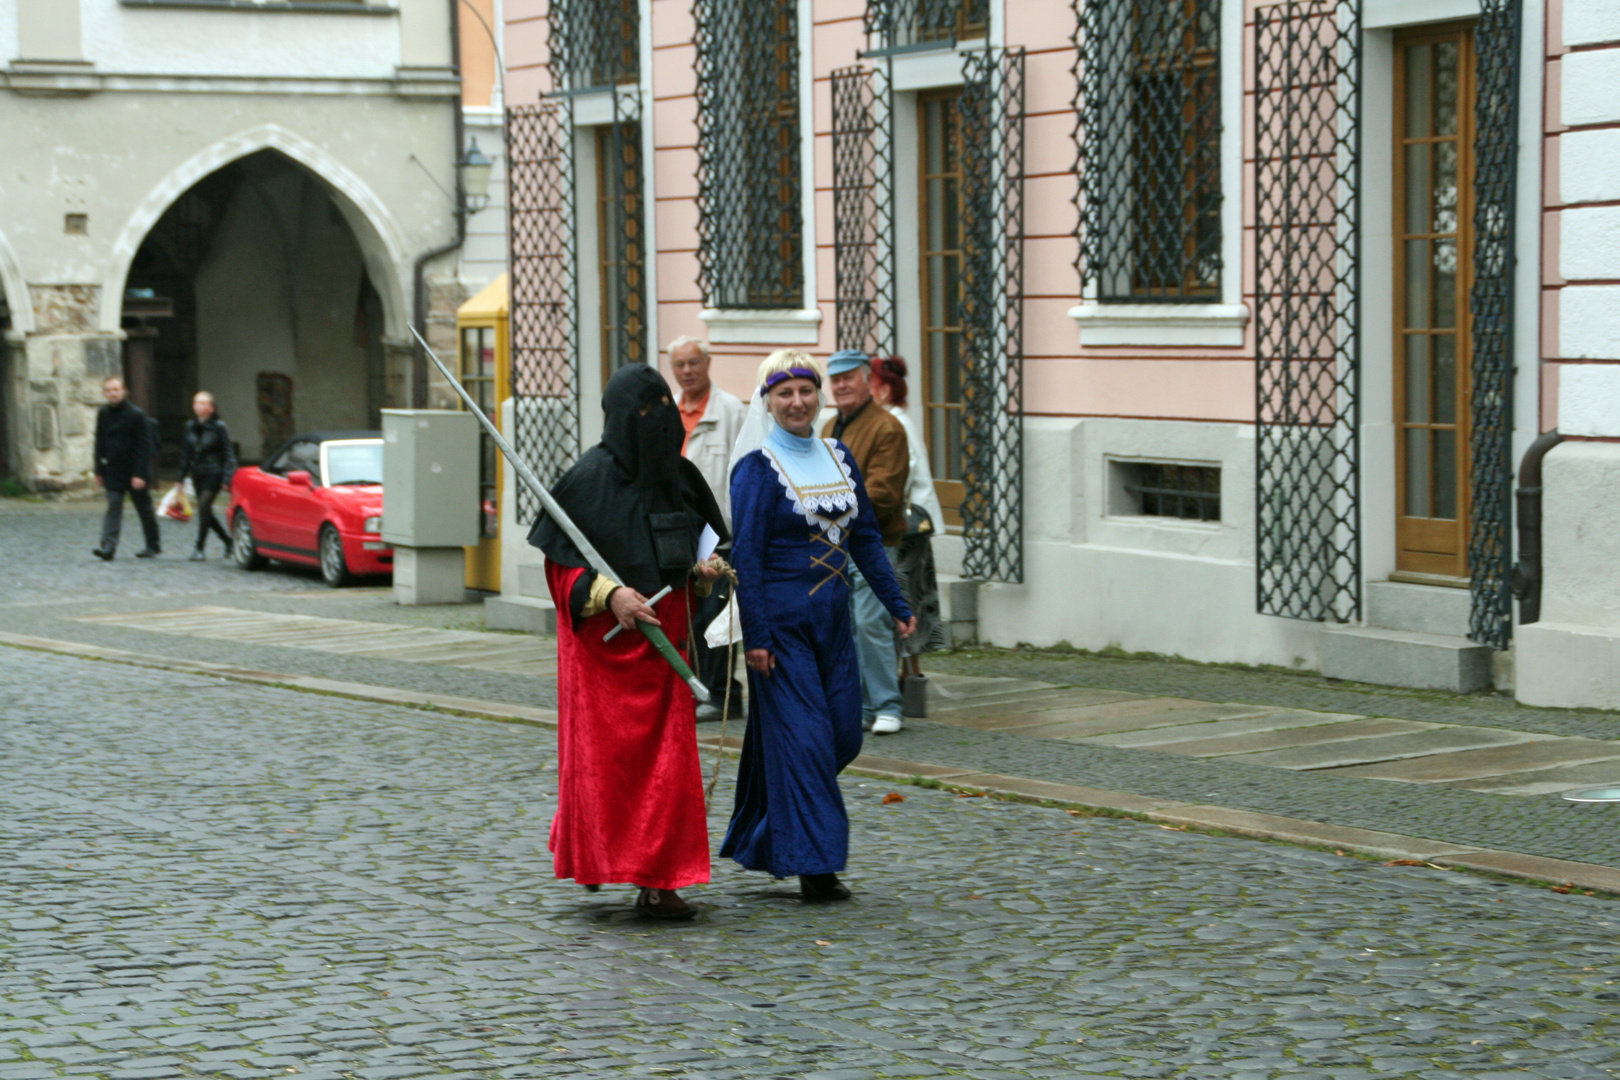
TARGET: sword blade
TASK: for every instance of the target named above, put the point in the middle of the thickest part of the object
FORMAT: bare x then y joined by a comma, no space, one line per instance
526,474
592,556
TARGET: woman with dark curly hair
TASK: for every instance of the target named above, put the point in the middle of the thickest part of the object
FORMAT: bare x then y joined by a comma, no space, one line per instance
914,561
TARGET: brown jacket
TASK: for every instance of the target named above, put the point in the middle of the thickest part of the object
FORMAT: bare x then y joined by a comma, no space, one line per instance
878,442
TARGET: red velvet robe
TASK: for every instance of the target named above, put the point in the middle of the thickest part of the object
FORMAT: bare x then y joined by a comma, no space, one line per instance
629,783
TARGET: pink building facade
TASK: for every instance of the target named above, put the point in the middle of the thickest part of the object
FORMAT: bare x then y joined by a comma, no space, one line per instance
1229,324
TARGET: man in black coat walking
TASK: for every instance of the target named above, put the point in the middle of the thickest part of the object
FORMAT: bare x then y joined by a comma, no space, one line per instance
124,463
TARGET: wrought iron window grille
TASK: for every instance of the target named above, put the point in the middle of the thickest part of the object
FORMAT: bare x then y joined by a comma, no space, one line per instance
992,118
1185,492
992,506
863,209
1307,192
595,44
1148,137
900,26
1496,124
750,218
541,232
623,225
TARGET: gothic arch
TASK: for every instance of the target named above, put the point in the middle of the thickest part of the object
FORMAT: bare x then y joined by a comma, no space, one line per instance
381,243
16,289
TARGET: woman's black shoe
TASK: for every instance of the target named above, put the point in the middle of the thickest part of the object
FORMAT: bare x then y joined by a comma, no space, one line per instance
821,888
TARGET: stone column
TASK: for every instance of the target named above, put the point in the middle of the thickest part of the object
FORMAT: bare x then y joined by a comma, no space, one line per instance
56,387
398,361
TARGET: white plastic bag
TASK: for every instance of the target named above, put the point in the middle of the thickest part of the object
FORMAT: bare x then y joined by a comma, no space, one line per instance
727,627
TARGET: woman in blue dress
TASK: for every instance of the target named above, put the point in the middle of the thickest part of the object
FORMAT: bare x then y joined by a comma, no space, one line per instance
800,514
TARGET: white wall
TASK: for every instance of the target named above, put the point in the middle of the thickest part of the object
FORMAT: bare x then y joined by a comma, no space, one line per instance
235,43
1096,577
8,30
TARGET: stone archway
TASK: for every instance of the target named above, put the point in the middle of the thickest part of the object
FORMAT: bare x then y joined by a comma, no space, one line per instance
254,284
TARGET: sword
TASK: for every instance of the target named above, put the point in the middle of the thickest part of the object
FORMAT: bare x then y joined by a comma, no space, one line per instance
659,640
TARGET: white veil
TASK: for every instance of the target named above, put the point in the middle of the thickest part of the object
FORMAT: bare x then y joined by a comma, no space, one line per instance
756,425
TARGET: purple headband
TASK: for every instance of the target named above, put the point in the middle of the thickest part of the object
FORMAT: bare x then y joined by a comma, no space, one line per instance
791,373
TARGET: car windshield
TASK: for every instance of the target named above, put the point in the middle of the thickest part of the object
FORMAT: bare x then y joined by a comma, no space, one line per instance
358,462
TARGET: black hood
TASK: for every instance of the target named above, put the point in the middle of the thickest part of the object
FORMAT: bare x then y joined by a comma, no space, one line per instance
636,499
642,429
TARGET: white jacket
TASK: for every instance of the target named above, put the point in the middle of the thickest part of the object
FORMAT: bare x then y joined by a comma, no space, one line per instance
920,480
709,445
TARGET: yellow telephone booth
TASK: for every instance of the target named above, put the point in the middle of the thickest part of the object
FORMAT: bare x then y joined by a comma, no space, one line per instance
483,329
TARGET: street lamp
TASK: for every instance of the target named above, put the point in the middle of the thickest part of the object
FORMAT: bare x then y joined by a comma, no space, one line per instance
473,170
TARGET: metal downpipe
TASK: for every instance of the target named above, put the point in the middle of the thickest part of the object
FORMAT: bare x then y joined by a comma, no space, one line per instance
1527,571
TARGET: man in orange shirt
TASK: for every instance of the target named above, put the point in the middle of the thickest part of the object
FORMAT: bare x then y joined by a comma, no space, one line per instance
712,419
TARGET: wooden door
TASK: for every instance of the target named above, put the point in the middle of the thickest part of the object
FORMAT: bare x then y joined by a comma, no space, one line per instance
1433,269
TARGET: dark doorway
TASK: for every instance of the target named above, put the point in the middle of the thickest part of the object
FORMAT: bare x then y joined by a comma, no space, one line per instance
254,275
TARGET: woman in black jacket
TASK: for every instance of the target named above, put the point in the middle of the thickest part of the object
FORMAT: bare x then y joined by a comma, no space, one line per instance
209,457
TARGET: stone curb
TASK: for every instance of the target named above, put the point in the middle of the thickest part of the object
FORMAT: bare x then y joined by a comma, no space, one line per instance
1166,812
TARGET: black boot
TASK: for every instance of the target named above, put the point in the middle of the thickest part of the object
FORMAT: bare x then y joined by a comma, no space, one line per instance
820,888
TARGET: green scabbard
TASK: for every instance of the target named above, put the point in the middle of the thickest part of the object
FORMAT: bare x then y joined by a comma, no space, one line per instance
661,642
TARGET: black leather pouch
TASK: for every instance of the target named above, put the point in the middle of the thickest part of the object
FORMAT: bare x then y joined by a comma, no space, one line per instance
672,541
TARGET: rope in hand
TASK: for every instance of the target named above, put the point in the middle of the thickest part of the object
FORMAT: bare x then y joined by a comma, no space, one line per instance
726,574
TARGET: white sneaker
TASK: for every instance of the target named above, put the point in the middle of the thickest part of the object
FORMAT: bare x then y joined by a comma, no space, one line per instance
886,725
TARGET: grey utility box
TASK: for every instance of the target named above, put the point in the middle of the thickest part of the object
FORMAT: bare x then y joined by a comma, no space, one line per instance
430,478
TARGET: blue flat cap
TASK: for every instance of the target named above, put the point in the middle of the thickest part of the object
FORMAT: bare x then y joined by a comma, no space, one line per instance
846,360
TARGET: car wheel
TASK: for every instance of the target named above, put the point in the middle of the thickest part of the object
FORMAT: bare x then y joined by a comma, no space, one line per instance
243,553
334,570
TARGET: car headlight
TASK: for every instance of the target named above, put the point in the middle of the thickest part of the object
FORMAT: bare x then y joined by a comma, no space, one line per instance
373,524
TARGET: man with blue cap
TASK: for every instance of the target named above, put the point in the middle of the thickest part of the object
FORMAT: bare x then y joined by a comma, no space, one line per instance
878,442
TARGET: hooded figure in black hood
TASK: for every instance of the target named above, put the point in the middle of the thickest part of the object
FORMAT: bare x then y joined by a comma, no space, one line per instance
639,502
629,785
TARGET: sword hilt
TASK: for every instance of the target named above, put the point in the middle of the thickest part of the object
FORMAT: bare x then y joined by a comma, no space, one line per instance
657,596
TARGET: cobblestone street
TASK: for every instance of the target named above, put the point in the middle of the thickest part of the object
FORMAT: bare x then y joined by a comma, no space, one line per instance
214,879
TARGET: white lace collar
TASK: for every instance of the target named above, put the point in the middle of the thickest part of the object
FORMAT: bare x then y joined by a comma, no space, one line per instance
827,506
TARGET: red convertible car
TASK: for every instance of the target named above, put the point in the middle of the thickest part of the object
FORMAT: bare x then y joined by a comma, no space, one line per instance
317,502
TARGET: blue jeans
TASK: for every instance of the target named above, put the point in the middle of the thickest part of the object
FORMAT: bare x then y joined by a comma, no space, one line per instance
873,629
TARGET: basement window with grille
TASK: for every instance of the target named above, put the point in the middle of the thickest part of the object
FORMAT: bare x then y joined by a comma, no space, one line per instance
1161,489
1150,150
750,218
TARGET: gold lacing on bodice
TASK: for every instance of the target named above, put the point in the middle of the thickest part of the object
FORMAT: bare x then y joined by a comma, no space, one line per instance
822,558
828,509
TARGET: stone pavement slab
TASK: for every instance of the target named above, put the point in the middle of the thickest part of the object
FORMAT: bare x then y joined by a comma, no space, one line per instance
1255,722
1518,758
1280,738
1135,714
1542,782
1436,740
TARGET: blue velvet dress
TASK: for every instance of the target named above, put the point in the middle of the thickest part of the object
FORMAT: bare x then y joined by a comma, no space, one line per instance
804,719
